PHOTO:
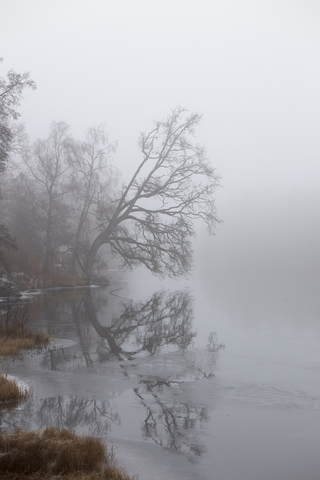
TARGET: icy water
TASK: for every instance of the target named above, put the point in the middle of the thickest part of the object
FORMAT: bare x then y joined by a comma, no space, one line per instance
136,363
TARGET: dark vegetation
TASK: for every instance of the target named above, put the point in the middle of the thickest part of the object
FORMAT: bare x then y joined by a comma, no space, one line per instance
56,454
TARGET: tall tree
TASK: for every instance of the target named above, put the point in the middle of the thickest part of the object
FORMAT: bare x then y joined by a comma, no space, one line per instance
90,185
11,89
46,184
152,221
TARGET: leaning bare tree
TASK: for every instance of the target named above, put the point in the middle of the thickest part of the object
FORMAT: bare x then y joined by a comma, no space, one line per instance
152,221
90,184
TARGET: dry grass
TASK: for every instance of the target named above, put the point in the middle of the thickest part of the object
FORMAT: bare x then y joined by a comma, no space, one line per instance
56,454
10,391
14,334
15,337
53,454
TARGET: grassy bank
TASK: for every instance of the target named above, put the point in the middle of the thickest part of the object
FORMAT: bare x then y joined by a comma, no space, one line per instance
56,454
11,391
52,454
14,338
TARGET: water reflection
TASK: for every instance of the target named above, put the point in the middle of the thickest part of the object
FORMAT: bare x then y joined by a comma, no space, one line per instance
78,413
164,319
167,421
171,424
139,328
143,347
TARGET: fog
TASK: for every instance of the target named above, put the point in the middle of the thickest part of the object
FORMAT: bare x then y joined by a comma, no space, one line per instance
252,68
263,264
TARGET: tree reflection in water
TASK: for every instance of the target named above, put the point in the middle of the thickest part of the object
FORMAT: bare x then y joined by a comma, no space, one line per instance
164,319
78,413
161,325
171,423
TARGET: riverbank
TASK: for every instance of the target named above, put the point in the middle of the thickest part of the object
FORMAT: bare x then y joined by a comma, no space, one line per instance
14,338
54,454
12,285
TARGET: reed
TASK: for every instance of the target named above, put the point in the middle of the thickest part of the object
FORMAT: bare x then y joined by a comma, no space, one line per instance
14,334
15,337
11,391
14,342
56,454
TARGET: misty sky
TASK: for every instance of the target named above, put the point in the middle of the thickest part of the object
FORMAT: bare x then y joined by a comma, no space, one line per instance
251,67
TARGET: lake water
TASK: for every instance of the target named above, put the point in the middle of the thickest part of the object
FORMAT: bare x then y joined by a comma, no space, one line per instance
127,366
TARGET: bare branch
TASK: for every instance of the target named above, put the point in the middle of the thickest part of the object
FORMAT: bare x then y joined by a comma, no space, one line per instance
153,220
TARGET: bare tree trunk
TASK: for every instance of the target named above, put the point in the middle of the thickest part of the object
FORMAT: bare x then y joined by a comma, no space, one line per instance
48,246
100,240
104,332
72,266
173,186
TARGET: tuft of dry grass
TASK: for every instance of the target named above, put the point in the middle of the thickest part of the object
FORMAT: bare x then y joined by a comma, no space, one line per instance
10,390
56,453
12,341
15,337
53,454
14,334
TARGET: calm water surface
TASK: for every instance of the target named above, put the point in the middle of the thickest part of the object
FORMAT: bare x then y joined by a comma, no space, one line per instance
135,363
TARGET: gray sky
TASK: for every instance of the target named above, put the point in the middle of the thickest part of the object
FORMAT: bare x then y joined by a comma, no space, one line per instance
251,67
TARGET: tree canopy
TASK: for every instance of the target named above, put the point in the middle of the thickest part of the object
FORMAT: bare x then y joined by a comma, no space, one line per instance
151,222
11,90
65,204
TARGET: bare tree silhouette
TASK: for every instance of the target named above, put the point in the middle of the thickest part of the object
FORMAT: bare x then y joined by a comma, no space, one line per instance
164,319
